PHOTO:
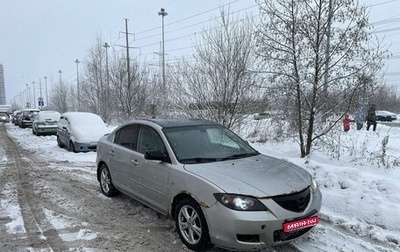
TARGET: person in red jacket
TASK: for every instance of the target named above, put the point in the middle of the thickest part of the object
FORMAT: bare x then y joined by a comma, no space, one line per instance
346,123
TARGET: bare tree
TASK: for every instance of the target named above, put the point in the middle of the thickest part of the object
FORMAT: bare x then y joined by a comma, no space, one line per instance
217,85
59,97
93,88
130,100
313,53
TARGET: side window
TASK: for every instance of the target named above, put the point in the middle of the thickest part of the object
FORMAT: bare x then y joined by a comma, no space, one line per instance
149,139
127,136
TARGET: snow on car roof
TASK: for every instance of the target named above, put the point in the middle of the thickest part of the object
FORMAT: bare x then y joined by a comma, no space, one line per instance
84,118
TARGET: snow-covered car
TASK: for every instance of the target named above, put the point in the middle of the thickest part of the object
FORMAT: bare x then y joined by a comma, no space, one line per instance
80,131
26,117
385,116
218,189
45,123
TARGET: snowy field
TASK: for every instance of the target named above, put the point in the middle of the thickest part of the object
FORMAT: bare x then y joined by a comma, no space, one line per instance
358,173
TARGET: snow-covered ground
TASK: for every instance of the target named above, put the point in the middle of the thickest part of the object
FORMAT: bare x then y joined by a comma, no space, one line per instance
358,173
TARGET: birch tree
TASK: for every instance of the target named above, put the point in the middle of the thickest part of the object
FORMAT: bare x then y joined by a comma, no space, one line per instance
312,53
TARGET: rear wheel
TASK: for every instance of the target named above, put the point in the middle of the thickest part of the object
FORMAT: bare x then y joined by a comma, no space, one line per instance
106,185
191,225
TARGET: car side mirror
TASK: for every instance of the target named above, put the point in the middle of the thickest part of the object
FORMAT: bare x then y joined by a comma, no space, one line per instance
156,155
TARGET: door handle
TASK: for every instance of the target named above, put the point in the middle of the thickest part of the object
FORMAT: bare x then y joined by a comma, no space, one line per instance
135,161
112,153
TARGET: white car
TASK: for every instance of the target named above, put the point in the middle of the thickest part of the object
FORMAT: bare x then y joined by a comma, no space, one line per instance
80,131
45,123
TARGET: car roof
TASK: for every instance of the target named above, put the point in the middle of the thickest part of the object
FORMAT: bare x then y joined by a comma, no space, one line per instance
179,122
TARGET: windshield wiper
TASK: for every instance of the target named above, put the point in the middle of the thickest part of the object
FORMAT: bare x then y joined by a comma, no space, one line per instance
240,155
197,160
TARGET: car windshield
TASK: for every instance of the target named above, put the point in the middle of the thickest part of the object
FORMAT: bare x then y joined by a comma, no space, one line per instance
206,143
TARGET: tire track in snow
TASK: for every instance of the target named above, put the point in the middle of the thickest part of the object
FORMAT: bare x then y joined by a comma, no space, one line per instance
39,235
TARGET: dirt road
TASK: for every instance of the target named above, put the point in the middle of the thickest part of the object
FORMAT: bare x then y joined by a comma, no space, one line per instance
50,204
63,211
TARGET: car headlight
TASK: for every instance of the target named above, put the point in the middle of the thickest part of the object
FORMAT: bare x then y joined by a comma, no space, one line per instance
240,202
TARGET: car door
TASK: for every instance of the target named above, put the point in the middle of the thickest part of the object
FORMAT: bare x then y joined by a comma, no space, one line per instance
149,177
121,161
63,131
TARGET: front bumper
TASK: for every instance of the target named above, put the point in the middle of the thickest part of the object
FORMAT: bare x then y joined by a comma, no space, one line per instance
85,147
247,231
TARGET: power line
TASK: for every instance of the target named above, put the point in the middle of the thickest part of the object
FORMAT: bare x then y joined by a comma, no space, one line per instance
181,20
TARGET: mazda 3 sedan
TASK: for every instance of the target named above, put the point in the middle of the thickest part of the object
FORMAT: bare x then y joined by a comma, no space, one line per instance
216,187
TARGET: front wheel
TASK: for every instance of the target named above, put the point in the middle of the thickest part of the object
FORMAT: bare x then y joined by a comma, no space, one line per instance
191,225
106,185
59,143
71,146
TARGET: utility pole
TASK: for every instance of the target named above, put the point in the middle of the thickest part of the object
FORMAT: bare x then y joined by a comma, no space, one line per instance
127,56
163,13
77,84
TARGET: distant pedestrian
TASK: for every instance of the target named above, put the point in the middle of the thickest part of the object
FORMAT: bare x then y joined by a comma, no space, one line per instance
371,117
346,123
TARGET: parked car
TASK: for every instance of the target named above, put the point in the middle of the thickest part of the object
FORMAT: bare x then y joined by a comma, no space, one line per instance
80,131
26,117
4,117
217,188
45,123
262,115
16,114
385,116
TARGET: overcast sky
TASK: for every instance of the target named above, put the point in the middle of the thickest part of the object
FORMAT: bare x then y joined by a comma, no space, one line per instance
40,37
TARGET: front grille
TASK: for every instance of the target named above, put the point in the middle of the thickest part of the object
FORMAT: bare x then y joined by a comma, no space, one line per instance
296,202
279,235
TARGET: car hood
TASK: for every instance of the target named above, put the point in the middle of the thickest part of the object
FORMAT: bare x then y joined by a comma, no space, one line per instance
260,176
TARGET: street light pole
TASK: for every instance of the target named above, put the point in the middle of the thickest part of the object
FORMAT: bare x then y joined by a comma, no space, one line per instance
60,72
27,96
34,95
108,77
77,84
47,97
163,13
107,72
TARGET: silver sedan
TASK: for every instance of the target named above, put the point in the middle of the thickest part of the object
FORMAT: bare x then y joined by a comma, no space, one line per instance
217,188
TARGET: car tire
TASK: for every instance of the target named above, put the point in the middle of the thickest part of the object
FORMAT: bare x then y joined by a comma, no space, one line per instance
191,225
59,143
71,146
106,185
